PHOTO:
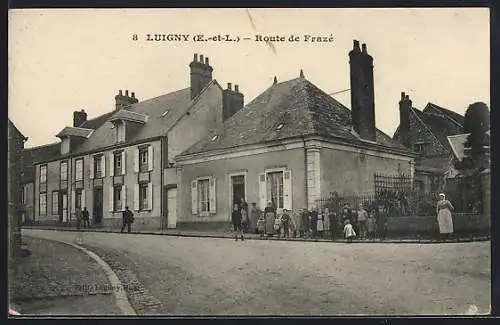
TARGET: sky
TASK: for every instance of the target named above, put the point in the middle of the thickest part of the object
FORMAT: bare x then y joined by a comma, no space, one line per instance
62,60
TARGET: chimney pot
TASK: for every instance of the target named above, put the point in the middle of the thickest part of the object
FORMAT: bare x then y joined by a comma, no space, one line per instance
407,97
126,93
195,59
201,58
275,80
83,111
229,85
133,95
120,93
206,61
356,45
363,48
301,73
236,88
402,95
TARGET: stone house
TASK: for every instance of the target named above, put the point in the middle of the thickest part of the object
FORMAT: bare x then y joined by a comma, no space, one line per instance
126,157
291,145
425,132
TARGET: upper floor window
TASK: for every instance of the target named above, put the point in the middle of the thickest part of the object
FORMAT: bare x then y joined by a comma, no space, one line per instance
64,171
118,163
79,169
98,166
203,195
422,147
43,174
143,160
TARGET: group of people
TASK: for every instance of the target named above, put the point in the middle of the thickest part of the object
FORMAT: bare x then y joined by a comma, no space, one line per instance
318,223
83,217
349,223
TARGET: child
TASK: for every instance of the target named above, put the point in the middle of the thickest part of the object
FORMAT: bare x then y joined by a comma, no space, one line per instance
261,226
277,226
349,231
320,226
370,225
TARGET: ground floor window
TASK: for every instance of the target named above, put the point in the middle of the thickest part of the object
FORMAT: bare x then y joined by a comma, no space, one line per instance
203,195
143,197
43,204
117,198
275,189
65,214
78,199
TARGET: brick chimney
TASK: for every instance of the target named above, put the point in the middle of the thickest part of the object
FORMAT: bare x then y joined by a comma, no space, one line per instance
79,117
362,92
125,100
232,101
201,74
405,105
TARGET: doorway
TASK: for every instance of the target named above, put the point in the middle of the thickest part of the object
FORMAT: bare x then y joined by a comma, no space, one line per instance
97,211
238,189
63,206
172,208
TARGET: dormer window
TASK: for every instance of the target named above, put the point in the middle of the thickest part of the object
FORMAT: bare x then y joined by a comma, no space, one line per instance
280,126
164,113
215,137
120,132
422,147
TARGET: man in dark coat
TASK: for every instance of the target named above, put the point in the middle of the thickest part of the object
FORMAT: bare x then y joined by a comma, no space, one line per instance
128,219
85,218
236,221
285,219
314,222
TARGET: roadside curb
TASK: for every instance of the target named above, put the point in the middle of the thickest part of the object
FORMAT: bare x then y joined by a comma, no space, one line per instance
119,292
228,236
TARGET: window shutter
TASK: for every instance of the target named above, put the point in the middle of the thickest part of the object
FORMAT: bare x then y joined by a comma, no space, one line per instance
123,162
212,195
111,164
194,197
150,158
124,197
136,160
111,200
287,189
150,196
73,200
103,165
91,167
136,197
82,202
262,190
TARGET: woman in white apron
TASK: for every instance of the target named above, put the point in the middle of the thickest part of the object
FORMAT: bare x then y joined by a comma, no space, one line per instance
444,218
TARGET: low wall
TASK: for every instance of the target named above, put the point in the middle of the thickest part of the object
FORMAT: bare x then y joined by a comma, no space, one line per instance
463,223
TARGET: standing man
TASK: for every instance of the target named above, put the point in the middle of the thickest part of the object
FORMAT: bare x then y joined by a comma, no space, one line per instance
128,219
85,217
254,217
236,221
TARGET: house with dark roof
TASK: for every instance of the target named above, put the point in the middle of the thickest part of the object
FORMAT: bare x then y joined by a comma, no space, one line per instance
290,146
126,157
426,133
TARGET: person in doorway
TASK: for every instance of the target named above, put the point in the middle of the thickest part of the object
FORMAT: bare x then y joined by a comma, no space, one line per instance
349,232
444,218
127,219
85,218
78,216
270,215
236,221
362,216
285,221
253,218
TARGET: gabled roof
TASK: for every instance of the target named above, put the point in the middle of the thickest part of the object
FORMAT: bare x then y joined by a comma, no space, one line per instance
457,144
70,131
450,115
285,110
15,129
35,154
150,111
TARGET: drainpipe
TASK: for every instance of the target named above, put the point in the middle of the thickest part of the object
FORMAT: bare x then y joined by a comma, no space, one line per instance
306,192
162,207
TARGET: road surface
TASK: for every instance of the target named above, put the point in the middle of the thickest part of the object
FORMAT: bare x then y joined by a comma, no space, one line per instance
210,276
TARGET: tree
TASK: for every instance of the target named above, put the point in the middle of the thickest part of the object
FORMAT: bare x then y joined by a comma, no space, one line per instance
477,123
